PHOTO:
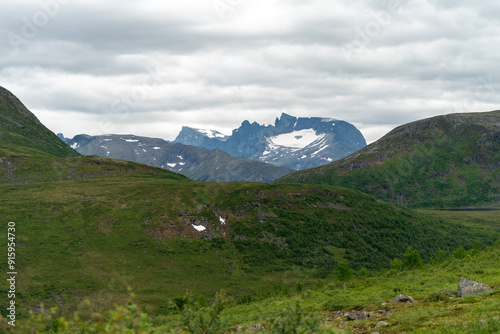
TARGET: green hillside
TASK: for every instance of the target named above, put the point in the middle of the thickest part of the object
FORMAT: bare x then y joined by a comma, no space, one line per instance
98,235
444,161
34,166
299,304
21,131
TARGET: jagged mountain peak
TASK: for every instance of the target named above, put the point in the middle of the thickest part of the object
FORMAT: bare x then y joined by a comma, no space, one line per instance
292,142
285,120
199,137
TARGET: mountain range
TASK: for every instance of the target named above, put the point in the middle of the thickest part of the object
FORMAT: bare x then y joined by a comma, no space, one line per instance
92,228
293,142
252,153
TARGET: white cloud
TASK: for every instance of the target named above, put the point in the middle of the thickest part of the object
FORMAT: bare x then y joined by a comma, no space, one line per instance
149,67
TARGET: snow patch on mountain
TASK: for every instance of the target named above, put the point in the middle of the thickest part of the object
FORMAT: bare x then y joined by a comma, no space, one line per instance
296,139
321,149
211,133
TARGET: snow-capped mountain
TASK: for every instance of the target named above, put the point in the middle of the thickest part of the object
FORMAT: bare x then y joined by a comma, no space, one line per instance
194,162
199,137
292,142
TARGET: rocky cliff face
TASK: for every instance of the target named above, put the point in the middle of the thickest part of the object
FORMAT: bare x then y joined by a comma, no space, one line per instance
292,142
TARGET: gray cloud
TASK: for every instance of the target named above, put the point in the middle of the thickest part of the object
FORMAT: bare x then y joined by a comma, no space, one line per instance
149,67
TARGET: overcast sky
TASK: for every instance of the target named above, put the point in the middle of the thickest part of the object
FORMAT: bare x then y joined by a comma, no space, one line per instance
148,67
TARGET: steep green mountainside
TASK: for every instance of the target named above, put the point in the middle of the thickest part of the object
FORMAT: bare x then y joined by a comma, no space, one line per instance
444,161
21,132
29,152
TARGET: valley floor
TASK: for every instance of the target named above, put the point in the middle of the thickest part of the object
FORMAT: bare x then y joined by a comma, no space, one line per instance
437,309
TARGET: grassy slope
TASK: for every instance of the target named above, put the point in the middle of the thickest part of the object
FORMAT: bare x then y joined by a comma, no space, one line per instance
94,236
36,166
487,219
21,131
445,161
435,311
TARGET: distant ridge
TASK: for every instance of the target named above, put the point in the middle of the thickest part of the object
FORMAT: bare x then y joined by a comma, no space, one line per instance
194,162
444,161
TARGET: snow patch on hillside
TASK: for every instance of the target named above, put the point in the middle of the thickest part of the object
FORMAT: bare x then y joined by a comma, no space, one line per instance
199,228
